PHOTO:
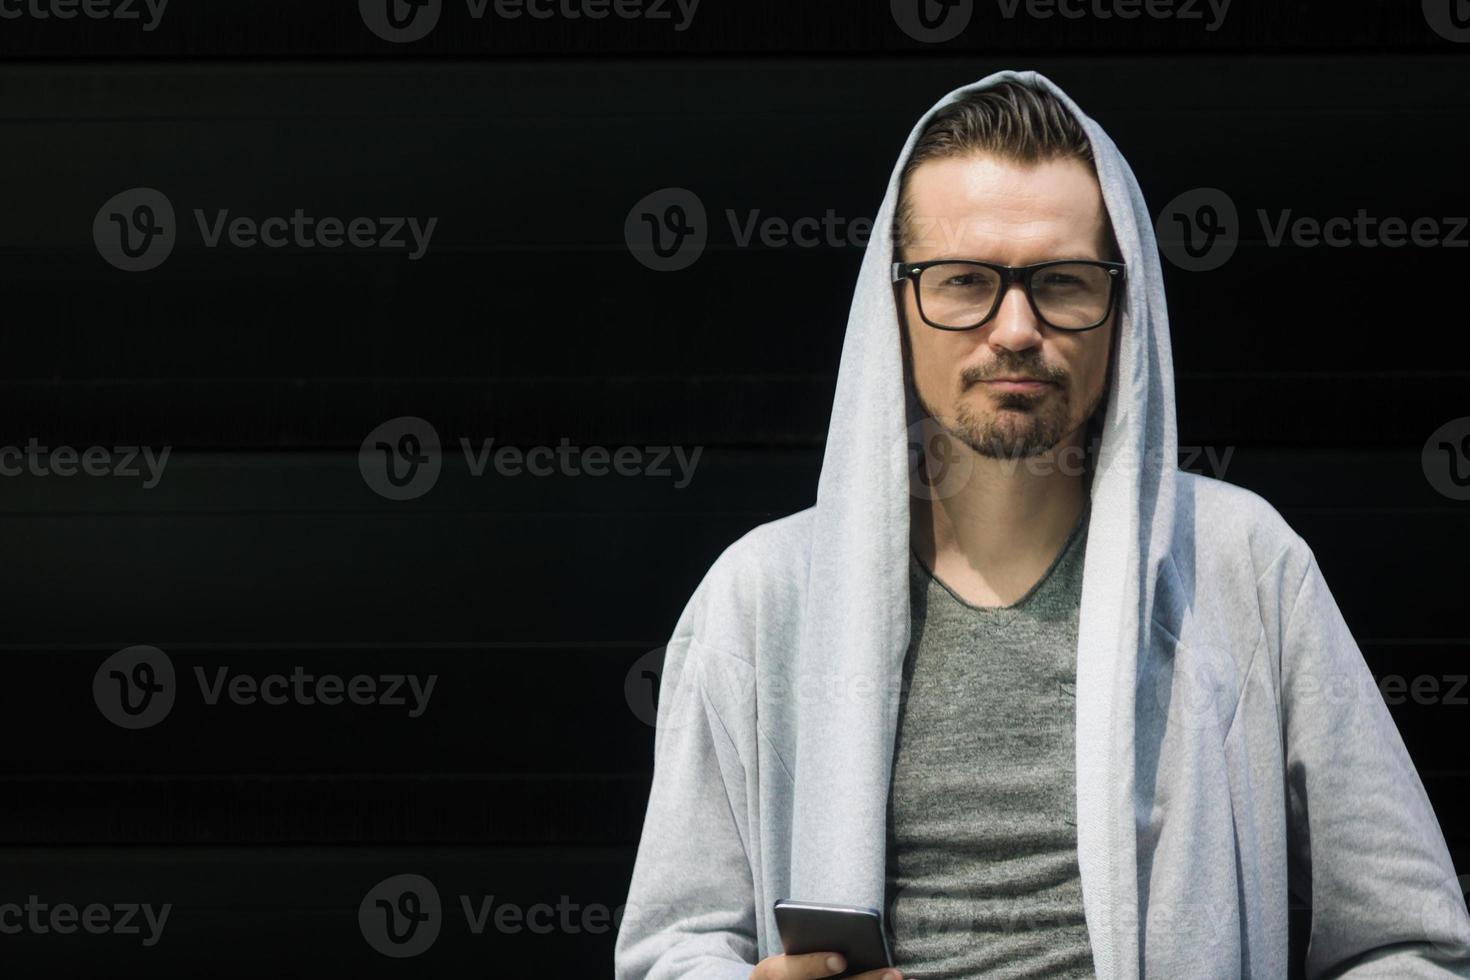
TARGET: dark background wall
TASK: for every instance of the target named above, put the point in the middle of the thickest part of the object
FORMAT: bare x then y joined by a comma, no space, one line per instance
1317,376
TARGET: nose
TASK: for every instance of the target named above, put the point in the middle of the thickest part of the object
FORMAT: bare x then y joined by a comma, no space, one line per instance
1015,326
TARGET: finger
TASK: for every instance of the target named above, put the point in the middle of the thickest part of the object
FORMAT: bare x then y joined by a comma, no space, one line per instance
813,966
886,973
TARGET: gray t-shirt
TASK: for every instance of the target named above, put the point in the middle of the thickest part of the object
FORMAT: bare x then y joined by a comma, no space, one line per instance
982,876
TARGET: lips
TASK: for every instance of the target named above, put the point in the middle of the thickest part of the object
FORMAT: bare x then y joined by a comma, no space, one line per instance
1019,384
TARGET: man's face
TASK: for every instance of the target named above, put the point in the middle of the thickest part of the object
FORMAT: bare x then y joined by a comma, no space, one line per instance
983,207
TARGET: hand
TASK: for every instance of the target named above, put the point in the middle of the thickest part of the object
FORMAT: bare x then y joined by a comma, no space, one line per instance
811,966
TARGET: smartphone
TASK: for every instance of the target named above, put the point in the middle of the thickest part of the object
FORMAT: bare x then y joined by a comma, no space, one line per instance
856,933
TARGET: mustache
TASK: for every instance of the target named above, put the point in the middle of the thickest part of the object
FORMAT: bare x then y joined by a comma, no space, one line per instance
1004,367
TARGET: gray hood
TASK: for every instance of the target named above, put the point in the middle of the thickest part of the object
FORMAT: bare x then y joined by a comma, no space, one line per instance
856,625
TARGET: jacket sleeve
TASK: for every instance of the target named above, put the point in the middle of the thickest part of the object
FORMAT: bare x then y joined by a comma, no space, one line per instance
1364,842
690,911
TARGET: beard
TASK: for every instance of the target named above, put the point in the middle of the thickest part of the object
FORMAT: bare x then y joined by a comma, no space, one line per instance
1019,427
1014,425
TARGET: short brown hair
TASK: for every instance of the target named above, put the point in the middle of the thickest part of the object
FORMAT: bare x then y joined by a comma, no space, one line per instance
1010,120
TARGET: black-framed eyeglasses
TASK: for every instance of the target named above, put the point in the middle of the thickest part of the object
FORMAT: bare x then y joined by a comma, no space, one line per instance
962,294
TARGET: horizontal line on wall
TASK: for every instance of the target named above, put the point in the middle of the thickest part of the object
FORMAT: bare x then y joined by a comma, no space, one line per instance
621,379
446,646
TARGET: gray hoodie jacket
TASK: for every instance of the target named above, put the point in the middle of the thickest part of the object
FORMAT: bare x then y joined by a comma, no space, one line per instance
1231,743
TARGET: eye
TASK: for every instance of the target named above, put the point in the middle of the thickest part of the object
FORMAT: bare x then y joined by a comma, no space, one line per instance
968,279
1060,279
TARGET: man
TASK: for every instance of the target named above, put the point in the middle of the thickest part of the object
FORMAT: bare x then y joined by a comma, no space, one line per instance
1056,706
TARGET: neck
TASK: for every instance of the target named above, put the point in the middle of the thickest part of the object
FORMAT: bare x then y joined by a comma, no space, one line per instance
1005,514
